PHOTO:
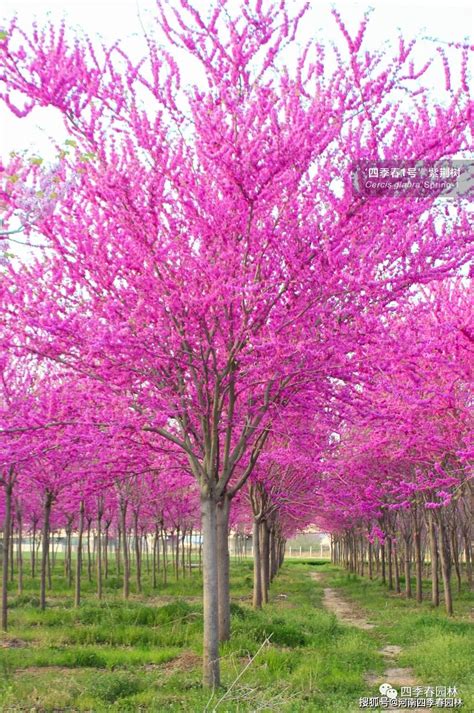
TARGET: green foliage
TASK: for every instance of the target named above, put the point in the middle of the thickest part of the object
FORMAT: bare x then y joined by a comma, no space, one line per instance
112,686
144,654
280,633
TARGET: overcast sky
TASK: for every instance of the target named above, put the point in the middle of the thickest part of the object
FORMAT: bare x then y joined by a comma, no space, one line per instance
112,19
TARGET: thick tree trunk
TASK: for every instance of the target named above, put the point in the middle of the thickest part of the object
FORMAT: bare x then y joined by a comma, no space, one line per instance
282,551
211,668
45,550
80,531
223,564
257,577
444,556
6,552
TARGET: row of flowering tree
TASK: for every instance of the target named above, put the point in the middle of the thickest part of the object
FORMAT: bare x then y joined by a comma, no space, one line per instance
407,454
190,253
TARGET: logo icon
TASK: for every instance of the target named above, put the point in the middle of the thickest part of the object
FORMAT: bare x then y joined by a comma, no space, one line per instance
387,690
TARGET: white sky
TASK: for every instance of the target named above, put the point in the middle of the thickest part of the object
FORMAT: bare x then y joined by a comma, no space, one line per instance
112,19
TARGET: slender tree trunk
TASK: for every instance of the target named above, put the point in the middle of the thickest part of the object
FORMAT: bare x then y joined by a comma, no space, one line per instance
177,552
54,547
455,551
6,552
265,556
408,592
99,555
418,566
444,556
68,557
118,550
89,560
397,568
370,561
190,552
211,668
77,591
20,553
33,551
126,561
45,549
138,555
223,568
273,557
434,561
468,554
48,562
147,554
11,559
183,552
153,563
200,552
382,562
165,556
257,577
106,550
390,563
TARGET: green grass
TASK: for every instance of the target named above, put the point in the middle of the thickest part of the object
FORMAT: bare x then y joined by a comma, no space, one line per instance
144,655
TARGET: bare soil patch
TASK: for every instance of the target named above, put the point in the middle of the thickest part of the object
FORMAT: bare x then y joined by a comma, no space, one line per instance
393,675
391,651
13,644
187,661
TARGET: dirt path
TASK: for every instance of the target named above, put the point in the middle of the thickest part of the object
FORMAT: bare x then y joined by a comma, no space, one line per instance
347,614
344,611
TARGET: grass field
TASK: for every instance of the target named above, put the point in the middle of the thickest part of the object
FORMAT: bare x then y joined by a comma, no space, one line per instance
143,655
